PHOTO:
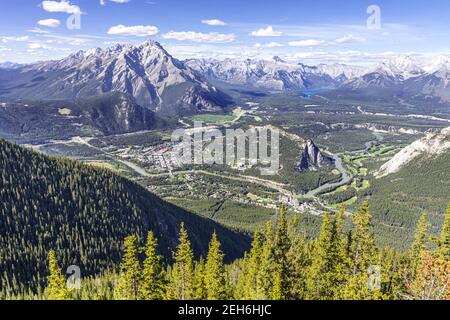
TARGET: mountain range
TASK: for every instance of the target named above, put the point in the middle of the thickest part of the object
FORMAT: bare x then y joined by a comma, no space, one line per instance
401,76
146,72
275,74
128,88
168,86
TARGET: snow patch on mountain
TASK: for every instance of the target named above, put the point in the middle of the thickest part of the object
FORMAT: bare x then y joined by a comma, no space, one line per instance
146,72
274,74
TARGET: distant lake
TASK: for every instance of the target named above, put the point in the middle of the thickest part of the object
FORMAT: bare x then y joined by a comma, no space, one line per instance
313,92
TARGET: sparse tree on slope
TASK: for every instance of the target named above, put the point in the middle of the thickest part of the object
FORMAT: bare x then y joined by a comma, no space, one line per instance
56,283
153,279
199,283
215,280
318,275
281,249
444,241
268,268
130,278
363,256
419,246
181,285
252,268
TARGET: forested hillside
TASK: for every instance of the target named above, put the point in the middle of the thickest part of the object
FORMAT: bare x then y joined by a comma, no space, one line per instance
398,199
84,214
282,265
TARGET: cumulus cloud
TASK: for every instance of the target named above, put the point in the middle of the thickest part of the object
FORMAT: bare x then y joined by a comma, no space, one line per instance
212,37
267,32
138,31
214,22
60,6
51,23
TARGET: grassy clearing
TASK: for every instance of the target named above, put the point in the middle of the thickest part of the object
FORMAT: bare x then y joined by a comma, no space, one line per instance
347,203
213,118
65,111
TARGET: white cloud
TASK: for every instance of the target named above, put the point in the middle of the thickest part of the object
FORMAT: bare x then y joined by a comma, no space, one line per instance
316,43
65,40
36,46
307,43
103,2
212,37
348,57
60,6
267,32
38,30
14,39
138,31
214,22
51,23
268,45
349,39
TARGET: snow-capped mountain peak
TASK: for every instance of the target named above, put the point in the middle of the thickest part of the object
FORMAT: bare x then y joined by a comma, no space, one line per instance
147,72
438,63
401,66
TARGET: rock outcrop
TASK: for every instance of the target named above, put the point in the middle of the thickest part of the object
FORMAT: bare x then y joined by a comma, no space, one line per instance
312,159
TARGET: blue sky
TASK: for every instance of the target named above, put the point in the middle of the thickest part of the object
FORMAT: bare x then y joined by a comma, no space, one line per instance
296,30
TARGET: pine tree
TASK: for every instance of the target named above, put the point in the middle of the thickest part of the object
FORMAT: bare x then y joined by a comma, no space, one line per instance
281,249
152,274
418,246
199,283
327,272
339,249
215,272
182,278
299,258
268,268
239,278
432,281
317,281
130,278
363,248
363,256
444,241
56,283
252,269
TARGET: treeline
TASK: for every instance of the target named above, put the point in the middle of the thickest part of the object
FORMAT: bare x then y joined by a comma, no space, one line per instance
281,265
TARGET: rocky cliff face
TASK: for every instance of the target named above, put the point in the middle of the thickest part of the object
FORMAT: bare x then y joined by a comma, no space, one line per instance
146,72
432,145
312,159
113,113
